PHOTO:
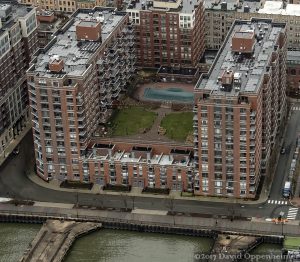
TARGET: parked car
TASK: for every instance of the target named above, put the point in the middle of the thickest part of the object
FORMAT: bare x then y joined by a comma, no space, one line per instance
282,151
16,151
286,191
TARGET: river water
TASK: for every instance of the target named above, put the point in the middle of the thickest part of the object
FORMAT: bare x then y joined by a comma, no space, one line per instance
113,246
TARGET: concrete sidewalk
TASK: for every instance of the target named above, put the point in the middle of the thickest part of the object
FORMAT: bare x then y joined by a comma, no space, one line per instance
254,226
14,143
137,192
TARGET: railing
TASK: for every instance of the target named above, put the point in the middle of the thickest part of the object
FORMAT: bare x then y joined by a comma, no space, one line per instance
172,225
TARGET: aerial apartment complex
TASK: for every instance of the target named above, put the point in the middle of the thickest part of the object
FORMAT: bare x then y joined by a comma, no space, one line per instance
73,83
168,33
18,41
240,106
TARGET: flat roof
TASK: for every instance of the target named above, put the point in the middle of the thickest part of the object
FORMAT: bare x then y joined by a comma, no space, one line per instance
249,68
187,6
76,54
233,5
276,7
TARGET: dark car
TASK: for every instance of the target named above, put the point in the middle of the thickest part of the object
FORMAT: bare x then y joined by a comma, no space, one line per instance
16,151
282,151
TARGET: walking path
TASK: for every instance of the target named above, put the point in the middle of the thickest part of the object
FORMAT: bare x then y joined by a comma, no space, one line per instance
255,226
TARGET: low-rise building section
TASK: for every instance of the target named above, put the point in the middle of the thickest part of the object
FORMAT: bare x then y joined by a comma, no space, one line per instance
73,83
49,23
18,41
240,106
141,165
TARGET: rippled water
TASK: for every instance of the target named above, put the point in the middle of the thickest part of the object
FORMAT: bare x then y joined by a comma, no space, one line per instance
14,239
126,246
115,246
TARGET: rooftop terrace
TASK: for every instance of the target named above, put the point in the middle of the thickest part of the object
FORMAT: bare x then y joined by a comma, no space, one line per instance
76,54
249,68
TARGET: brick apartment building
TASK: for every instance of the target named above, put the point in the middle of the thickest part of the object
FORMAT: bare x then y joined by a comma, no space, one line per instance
72,85
168,33
140,164
18,41
240,106
219,16
68,6
293,73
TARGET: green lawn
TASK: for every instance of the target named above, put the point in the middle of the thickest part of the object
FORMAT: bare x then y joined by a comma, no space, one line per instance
133,120
178,125
292,243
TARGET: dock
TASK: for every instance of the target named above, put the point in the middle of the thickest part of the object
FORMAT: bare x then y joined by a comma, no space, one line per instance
55,238
231,247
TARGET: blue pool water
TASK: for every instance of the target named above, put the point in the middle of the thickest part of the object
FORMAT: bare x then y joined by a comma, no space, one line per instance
170,94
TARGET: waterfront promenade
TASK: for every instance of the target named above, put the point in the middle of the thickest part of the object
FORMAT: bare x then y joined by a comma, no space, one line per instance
259,227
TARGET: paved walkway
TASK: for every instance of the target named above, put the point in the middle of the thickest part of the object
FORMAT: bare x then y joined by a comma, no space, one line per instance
254,226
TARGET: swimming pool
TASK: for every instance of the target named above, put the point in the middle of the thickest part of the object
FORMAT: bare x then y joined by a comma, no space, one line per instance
170,94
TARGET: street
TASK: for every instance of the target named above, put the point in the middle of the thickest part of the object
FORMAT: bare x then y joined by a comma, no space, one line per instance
14,183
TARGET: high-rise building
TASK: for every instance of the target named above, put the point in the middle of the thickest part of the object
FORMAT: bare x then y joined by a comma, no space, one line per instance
240,106
73,83
18,41
168,33
219,16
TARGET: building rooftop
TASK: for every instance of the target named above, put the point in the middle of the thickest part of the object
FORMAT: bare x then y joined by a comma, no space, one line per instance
293,56
233,5
277,7
181,6
9,13
247,69
76,54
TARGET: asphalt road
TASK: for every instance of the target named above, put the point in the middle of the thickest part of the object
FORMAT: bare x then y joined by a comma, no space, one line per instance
14,183
284,161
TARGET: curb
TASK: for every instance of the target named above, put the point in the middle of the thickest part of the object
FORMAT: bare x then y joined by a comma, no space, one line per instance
35,179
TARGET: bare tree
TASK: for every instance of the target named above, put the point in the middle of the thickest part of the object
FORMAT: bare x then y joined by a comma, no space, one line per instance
169,202
124,199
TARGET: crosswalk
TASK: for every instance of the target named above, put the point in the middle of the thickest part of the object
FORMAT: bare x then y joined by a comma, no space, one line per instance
295,108
292,213
277,202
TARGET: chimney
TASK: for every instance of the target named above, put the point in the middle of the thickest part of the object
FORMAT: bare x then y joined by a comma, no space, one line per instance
56,64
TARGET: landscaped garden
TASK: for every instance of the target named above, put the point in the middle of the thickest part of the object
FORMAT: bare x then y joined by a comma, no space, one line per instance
178,125
132,120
